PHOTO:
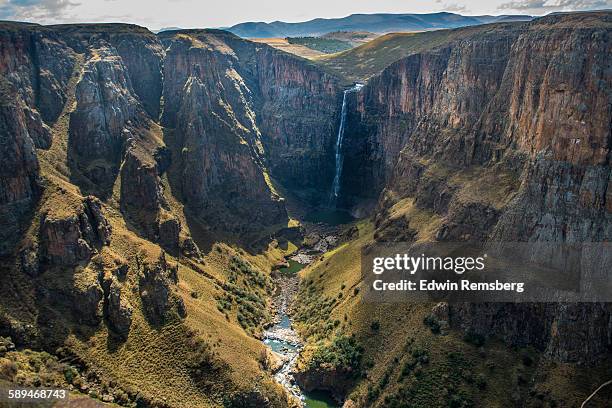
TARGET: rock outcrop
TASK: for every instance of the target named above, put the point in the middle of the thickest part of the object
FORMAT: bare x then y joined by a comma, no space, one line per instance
87,298
117,308
142,195
169,232
70,238
143,201
139,50
29,61
156,284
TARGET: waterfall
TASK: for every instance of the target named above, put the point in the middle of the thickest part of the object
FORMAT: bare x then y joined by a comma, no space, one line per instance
335,190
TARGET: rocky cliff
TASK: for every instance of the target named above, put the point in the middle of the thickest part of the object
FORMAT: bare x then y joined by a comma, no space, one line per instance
29,62
107,114
139,49
211,108
425,101
20,185
504,136
260,108
299,118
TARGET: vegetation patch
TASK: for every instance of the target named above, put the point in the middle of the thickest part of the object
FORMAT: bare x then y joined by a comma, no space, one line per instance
342,355
246,294
433,323
324,45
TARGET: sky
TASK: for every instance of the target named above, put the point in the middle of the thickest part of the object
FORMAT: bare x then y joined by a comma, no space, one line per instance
156,14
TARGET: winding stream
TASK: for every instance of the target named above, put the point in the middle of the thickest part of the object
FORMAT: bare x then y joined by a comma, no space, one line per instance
283,340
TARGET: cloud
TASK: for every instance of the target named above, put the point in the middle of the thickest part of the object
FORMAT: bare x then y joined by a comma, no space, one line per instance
452,7
34,10
555,5
455,7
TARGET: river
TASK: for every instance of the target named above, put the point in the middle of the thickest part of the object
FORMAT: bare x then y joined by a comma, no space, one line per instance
285,341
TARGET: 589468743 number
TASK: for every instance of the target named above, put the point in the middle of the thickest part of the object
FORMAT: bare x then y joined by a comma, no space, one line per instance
32,394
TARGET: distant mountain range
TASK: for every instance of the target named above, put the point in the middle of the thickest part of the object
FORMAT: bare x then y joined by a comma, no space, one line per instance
376,23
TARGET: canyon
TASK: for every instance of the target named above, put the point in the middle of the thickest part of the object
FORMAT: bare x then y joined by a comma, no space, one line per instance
153,184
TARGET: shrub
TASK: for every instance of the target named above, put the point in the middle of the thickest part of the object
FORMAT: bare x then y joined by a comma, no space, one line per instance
419,352
527,360
481,381
8,369
460,401
344,353
373,393
432,323
69,374
407,368
375,326
474,338
384,380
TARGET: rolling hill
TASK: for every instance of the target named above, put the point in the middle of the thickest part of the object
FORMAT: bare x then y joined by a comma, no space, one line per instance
377,23
360,63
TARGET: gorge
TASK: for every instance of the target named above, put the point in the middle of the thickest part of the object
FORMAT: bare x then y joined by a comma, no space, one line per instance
155,186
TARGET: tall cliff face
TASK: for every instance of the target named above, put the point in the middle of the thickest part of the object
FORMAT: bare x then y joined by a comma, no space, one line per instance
106,116
505,137
299,119
32,94
428,101
211,108
240,111
29,62
19,177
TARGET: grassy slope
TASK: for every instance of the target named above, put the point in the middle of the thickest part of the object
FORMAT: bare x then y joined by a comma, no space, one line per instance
314,47
153,360
284,45
360,63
